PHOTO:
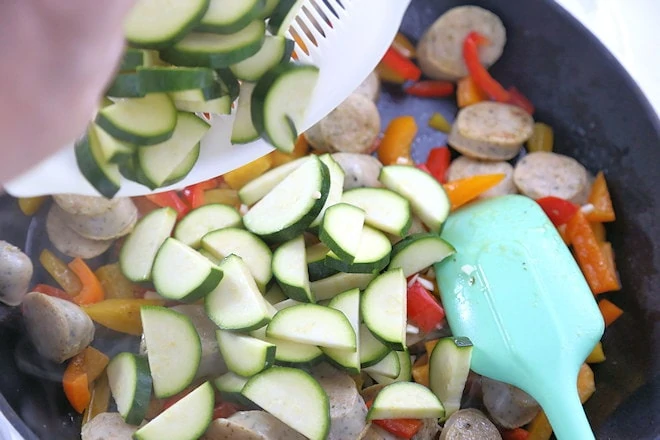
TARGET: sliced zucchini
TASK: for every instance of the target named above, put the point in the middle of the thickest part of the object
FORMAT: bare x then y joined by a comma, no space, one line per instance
289,208
182,274
210,93
159,79
243,130
282,16
349,304
209,256
279,103
383,308
449,366
331,286
218,106
157,162
236,304
197,223
216,51
182,170
137,255
372,256
113,150
274,294
229,16
294,397
245,355
290,270
230,386
290,353
174,349
405,400
419,251
285,304
426,195
102,175
252,250
275,50
256,189
228,83
157,24
141,121
336,186
389,366
384,209
125,85
268,8
372,350
130,383
405,370
186,419
134,58
313,324
316,266
341,230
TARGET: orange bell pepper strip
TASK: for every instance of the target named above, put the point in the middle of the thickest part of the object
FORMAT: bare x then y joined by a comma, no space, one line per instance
404,428
300,149
121,315
389,75
462,191
420,373
478,72
60,272
599,231
609,311
468,93
76,383
596,265
397,141
237,178
95,363
91,291
401,65
601,201
403,45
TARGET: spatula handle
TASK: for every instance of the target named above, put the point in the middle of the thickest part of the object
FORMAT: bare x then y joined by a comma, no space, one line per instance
567,416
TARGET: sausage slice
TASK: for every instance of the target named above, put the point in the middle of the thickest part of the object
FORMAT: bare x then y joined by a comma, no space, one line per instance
113,223
69,242
15,274
84,205
353,126
542,174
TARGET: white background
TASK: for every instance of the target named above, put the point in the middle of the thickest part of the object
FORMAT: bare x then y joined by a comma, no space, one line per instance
629,28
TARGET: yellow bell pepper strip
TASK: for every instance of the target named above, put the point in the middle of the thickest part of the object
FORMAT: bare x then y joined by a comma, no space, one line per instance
224,196
300,149
401,65
397,141
420,373
121,315
542,138
403,45
115,284
462,191
95,363
599,231
389,75
596,265
478,72
438,122
91,291
99,399
468,93
600,199
585,383
539,428
60,272
430,345
30,205
76,384
597,355
237,178
610,311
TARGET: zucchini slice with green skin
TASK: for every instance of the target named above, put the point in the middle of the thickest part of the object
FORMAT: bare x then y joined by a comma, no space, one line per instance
405,400
133,58
218,106
243,130
290,353
384,308
257,188
182,170
245,355
341,230
336,186
389,366
426,195
137,255
405,374
419,251
236,304
125,85
113,150
141,121
230,386
316,267
268,8
158,24
274,294
230,16
329,287
291,206
280,100
282,16
294,397
130,382
275,50
372,256
209,93
372,350
216,51
449,366
158,162
252,250
228,83
384,209
102,175
313,324
186,419
180,273
197,223
349,304
159,79
290,270
174,349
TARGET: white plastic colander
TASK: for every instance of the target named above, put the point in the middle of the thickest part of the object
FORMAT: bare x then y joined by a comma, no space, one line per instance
344,38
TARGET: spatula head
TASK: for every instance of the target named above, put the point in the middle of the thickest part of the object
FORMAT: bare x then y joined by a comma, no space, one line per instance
515,290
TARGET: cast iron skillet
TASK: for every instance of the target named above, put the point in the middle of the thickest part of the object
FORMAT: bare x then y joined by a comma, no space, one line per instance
599,117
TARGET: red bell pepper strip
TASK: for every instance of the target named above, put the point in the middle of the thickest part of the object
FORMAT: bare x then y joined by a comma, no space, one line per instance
438,163
431,89
423,167
404,428
517,98
514,434
223,410
92,289
478,72
558,210
194,196
401,65
423,309
52,291
170,199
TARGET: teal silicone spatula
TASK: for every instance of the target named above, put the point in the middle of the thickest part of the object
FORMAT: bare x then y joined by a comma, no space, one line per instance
515,290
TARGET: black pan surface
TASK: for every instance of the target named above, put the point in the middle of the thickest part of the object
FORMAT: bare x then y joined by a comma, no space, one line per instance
600,117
